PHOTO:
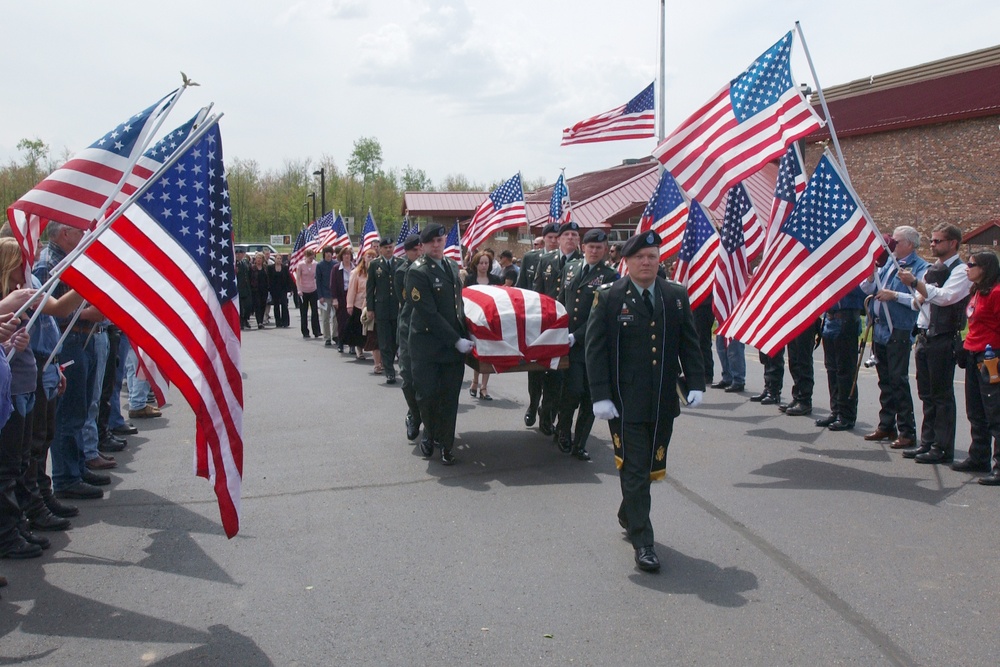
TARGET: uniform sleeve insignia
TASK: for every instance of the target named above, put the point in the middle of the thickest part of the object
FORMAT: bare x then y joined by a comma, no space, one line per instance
595,300
415,295
661,453
378,272
618,441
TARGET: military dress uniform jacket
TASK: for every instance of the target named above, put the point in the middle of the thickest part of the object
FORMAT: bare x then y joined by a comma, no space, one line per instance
437,319
576,293
634,357
549,274
380,295
529,267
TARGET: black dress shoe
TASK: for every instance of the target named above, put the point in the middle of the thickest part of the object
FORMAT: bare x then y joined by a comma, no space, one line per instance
61,510
581,454
80,490
391,379
95,478
412,428
645,558
545,426
31,538
564,442
447,458
934,456
110,445
127,429
735,389
968,465
427,447
841,425
993,479
798,409
23,550
823,422
913,452
46,521
721,384
770,399
529,416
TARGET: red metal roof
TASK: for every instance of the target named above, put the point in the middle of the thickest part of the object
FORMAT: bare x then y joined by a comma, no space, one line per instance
443,204
980,231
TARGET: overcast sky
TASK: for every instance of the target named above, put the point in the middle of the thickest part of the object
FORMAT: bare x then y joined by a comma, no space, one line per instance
467,87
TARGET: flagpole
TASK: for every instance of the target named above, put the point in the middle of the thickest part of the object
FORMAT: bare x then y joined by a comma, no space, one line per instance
92,235
661,124
822,101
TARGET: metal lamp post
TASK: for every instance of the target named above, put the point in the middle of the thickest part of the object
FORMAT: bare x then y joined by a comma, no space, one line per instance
312,195
322,187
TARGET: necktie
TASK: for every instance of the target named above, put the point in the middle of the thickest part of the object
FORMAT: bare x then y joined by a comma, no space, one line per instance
586,270
648,300
562,261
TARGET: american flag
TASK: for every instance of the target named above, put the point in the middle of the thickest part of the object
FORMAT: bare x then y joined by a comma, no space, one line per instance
634,120
76,193
747,124
732,271
822,251
666,214
503,209
369,234
788,189
164,274
414,227
453,245
559,206
343,239
695,267
324,231
307,239
404,231
738,203
514,326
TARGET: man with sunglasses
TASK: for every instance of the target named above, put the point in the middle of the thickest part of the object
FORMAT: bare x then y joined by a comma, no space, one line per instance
941,298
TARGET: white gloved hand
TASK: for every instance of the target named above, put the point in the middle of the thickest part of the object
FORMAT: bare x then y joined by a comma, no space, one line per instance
464,345
572,340
694,398
605,410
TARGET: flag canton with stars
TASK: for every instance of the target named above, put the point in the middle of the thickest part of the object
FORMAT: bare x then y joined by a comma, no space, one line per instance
507,193
165,147
731,234
191,203
559,193
404,231
825,206
763,82
698,231
325,222
641,102
121,140
666,198
789,171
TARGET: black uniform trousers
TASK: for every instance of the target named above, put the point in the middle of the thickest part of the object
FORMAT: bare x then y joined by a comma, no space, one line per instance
895,401
774,371
982,406
800,365
639,441
840,356
576,394
310,300
437,388
935,362
409,393
386,330
15,448
536,380
704,318
43,432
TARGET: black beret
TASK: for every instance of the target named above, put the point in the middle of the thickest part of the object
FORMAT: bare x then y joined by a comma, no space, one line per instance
386,241
411,242
648,239
431,232
568,227
595,236
551,228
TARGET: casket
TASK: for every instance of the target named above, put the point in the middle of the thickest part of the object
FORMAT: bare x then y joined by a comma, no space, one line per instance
515,330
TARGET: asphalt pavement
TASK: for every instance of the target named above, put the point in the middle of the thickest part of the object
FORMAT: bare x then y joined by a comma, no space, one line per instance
782,543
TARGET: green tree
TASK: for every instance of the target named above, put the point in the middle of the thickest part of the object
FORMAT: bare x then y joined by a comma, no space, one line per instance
415,180
366,160
459,183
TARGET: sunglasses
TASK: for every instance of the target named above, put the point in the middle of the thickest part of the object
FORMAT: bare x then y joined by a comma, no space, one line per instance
971,265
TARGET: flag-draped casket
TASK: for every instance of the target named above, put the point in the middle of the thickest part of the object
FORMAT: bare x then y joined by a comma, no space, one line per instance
515,329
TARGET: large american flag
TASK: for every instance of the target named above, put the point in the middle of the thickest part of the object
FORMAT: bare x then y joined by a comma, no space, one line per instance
666,214
738,203
822,251
695,268
559,205
343,239
745,125
307,239
503,209
76,193
634,120
404,231
787,190
453,245
513,326
369,234
732,270
164,273
324,230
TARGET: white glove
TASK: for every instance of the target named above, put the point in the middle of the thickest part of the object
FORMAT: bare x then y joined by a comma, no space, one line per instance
572,340
694,398
605,410
464,345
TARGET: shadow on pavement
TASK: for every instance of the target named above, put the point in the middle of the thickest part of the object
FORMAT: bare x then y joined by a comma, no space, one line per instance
224,647
686,575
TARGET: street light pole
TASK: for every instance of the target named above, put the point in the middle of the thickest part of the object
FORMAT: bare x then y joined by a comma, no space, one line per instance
322,188
312,195
305,205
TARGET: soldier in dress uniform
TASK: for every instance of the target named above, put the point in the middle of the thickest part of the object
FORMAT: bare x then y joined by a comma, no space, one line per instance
437,340
580,279
380,298
413,250
526,280
640,334
547,281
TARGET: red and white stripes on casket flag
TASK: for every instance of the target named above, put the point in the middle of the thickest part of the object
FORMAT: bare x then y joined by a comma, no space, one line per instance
514,326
